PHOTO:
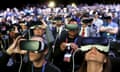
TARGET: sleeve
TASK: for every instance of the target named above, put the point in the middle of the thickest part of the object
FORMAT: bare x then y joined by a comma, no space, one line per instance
115,25
4,60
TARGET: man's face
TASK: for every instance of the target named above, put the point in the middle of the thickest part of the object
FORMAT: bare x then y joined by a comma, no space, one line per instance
73,32
34,55
58,23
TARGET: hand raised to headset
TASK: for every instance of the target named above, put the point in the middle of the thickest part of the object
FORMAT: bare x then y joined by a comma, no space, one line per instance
15,48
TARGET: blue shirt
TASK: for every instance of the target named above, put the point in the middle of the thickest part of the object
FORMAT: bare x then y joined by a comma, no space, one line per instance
111,25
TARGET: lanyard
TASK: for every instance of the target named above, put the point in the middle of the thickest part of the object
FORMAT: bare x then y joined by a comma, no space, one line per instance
43,67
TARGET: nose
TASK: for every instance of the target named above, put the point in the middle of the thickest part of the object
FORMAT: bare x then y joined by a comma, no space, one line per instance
93,49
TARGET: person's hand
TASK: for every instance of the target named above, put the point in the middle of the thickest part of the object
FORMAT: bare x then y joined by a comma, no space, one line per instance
74,46
15,48
63,46
109,29
103,29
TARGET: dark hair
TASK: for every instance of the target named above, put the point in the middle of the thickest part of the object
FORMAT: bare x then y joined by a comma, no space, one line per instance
72,20
106,66
86,14
107,17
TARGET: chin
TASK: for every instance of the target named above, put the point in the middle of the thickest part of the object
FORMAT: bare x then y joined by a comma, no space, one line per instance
91,59
32,59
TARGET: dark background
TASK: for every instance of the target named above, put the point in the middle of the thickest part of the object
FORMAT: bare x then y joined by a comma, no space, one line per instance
20,3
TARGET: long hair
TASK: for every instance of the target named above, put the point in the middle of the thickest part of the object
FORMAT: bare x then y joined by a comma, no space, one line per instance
106,66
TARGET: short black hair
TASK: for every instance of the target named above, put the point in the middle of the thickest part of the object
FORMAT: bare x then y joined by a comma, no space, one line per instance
72,20
107,17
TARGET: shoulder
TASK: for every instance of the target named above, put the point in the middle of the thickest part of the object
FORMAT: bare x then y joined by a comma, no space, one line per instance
114,24
79,37
52,68
64,34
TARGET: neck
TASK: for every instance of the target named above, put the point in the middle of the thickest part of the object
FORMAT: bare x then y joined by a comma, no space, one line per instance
39,63
94,67
95,18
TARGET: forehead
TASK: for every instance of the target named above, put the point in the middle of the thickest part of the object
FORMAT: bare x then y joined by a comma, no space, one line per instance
72,22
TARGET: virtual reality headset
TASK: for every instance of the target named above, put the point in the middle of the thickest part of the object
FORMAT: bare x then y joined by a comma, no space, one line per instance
107,17
71,26
32,45
100,43
86,20
57,19
38,26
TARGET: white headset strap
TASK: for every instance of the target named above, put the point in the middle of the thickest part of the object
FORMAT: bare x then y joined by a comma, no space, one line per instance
42,46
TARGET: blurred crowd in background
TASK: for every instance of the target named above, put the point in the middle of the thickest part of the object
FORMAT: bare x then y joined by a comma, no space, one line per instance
98,21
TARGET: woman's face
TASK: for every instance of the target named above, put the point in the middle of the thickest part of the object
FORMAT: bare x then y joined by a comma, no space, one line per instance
39,31
24,27
95,56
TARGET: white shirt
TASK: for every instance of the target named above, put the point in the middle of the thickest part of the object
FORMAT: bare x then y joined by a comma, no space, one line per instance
86,32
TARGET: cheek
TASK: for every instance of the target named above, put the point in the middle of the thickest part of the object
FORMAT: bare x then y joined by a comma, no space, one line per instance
95,58
101,58
90,57
37,32
86,57
72,33
33,57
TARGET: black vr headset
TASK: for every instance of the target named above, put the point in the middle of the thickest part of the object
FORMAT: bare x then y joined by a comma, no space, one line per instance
86,20
32,45
101,43
107,17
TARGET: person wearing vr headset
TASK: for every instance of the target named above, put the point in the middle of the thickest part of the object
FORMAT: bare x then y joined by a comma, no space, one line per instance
59,27
37,51
38,28
96,57
66,45
109,28
88,29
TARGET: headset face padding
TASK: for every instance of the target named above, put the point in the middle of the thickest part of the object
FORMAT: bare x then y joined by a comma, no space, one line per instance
101,48
100,43
71,26
32,45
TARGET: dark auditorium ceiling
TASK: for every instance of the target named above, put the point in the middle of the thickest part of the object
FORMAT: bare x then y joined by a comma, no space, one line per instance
19,3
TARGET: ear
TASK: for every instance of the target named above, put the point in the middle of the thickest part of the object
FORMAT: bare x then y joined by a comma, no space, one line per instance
105,60
46,51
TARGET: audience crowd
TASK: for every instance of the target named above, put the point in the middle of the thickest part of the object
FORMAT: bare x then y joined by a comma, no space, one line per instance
63,30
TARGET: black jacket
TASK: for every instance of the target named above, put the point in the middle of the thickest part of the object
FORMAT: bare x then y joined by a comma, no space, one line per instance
26,67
